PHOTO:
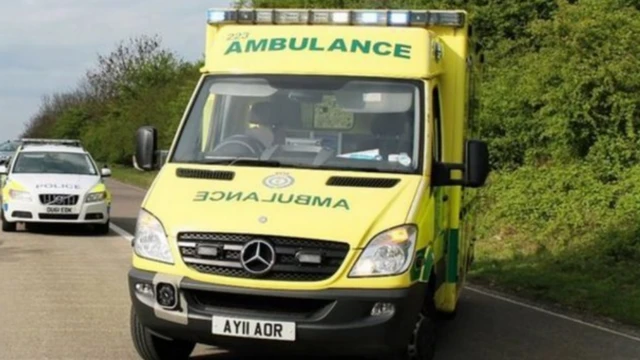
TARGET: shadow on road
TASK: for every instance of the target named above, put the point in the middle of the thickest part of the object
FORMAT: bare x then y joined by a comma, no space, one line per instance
128,224
79,230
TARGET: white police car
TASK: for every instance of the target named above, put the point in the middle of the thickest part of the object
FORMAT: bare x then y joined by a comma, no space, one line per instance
54,181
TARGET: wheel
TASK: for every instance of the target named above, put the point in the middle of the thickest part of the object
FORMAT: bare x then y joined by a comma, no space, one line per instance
102,229
151,347
8,226
447,316
422,345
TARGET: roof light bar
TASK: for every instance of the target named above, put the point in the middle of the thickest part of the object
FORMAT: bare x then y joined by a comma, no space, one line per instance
292,16
375,17
338,17
68,142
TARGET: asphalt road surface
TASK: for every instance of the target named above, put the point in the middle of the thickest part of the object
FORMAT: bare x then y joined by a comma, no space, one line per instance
63,295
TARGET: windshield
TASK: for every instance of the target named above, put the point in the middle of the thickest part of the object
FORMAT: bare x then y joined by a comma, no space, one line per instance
54,163
8,147
348,123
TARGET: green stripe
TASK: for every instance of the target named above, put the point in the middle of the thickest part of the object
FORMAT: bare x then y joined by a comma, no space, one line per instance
425,271
452,256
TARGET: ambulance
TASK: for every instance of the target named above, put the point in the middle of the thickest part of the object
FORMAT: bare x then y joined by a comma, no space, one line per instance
311,201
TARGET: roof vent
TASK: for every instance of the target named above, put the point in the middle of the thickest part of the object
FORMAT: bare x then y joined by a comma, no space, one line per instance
205,174
365,182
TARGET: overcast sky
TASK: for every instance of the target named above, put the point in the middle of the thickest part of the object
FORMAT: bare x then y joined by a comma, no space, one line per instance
47,45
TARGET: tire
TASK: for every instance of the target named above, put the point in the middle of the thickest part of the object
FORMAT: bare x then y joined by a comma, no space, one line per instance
151,347
8,226
447,316
102,229
422,345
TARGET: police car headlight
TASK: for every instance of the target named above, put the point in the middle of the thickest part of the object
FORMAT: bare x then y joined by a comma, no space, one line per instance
96,197
388,253
19,195
150,240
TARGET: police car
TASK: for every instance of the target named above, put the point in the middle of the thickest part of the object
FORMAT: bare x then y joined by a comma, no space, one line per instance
54,181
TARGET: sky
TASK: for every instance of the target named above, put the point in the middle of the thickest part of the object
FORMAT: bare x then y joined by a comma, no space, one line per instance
47,46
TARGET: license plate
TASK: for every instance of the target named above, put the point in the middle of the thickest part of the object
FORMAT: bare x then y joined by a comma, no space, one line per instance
256,329
59,210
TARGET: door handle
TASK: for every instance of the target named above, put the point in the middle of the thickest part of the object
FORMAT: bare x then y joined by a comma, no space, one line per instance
445,198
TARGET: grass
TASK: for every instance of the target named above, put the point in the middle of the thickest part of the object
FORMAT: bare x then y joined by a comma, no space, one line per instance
132,176
595,289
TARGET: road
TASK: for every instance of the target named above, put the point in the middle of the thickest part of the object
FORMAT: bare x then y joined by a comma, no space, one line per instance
63,295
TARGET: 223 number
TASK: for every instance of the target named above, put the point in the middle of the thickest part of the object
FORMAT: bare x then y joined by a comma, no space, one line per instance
237,36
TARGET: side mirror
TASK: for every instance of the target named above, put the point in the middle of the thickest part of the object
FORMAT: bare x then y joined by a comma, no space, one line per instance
146,146
105,172
477,163
475,169
3,170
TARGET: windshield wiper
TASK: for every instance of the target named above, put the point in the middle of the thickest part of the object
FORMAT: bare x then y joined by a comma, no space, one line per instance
243,161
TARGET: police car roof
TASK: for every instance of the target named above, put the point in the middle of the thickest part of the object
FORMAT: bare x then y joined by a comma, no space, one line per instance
52,148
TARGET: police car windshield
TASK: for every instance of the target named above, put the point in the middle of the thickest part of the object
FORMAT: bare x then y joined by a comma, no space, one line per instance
356,124
54,163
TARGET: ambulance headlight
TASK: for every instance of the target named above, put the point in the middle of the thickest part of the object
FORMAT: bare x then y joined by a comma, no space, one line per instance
150,240
19,195
96,197
388,253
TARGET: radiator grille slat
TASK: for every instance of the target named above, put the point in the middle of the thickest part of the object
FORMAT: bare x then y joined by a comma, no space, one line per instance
59,199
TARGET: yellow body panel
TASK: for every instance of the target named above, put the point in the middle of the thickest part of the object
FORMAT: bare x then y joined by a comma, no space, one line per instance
308,209
327,50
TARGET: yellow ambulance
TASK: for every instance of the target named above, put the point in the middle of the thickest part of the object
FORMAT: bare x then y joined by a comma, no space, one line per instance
311,200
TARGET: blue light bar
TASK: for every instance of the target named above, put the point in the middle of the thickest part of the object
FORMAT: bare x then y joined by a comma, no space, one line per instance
421,18
367,17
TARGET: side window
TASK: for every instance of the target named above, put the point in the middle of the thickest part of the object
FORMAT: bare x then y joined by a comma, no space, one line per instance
437,131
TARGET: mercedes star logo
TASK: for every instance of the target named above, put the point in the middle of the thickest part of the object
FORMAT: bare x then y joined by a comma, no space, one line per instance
258,257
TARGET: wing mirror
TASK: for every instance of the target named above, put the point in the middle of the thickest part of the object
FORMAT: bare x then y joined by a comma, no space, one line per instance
105,172
4,170
146,146
475,169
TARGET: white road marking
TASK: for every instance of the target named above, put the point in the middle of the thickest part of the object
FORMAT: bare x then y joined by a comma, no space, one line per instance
564,317
122,232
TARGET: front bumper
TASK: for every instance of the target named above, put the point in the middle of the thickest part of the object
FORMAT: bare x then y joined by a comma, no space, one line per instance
35,212
327,321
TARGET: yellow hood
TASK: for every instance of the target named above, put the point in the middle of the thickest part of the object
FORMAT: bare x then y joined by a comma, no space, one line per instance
275,201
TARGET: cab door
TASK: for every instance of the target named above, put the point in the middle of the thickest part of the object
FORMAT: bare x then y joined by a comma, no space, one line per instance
441,214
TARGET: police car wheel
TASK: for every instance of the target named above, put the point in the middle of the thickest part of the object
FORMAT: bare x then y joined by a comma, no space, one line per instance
151,347
102,229
8,226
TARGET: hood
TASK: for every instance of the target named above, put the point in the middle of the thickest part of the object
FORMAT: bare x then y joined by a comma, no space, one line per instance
284,202
56,183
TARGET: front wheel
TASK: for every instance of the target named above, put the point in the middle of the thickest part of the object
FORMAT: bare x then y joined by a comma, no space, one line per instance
8,226
102,229
422,345
151,347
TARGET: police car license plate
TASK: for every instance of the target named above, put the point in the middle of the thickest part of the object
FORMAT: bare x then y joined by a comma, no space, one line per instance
256,329
59,210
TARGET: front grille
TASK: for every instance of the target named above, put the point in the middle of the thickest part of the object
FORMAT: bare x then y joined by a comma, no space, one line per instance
58,217
214,300
287,268
59,199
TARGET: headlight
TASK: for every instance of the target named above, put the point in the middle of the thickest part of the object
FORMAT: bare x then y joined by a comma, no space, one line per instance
389,253
150,240
19,195
96,196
